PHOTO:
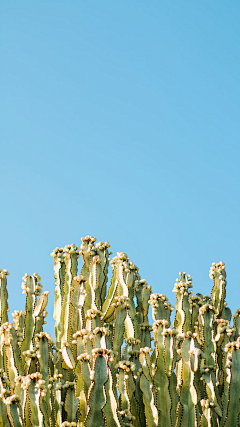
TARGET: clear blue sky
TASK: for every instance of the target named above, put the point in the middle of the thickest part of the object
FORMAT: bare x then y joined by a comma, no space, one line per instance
120,119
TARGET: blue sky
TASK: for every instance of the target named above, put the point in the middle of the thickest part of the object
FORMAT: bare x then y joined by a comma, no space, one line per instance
121,120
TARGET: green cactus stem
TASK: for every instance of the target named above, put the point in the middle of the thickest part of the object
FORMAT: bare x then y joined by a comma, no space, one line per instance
4,309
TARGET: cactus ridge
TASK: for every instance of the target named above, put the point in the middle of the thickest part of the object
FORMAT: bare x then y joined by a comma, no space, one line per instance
108,367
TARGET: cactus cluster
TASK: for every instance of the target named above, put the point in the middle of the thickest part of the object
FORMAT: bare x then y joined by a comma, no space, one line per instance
108,367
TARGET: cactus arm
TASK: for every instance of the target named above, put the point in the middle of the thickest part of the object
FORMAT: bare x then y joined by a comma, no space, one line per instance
93,320
209,344
182,321
4,420
222,338
40,321
160,377
208,418
11,352
103,253
80,391
4,309
139,399
110,410
195,303
59,274
68,356
108,309
231,404
77,301
170,355
121,274
151,411
218,274
131,388
125,276
97,397
122,387
131,353
71,255
82,371
145,361
236,318
122,279
14,415
42,303
209,348
225,395
94,282
86,372
71,403
79,341
145,334
211,390
188,393
31,289
159,306
19,324
14,411
88,347
129,328
87,251
10,365
146,294
174,397
126,387
43,353
147,388
138,290
142,327
36,414
33,388
56,399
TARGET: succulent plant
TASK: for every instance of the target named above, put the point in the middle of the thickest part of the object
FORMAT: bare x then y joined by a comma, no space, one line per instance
108,367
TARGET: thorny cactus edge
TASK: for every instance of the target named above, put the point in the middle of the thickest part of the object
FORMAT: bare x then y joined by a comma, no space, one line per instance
108,366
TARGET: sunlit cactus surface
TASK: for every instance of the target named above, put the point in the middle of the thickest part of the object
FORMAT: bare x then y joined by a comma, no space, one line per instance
107,366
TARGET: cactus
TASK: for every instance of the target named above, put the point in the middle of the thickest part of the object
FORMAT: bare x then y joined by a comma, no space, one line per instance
108,367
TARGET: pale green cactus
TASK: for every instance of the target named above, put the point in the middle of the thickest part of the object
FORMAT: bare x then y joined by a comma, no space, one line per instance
108,366
3,297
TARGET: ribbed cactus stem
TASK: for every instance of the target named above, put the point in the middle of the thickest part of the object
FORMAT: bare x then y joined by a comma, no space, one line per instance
103,254
231,409
160,377
97,394
218,275
236,318
4,309
71,255
77,304
183,319
14,410
148,389
207,313
32,287
59,274
188,392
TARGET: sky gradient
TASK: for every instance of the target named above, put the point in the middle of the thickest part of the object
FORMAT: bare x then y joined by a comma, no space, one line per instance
121,120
